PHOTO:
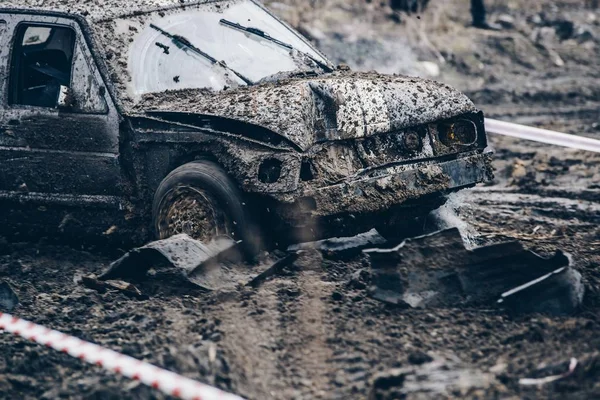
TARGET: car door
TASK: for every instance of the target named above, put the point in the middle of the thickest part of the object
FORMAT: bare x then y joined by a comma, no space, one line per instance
55,152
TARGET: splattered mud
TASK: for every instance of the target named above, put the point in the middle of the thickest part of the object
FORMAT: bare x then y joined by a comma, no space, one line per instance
312,332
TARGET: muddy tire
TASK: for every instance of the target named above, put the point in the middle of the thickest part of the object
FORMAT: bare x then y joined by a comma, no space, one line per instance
199,199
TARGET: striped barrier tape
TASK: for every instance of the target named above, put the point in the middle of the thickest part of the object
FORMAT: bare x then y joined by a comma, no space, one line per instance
541,135
166,381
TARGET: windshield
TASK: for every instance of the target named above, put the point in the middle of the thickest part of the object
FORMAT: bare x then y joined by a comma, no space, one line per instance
198,48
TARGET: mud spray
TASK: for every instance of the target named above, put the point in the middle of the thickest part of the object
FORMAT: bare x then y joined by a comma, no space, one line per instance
447,216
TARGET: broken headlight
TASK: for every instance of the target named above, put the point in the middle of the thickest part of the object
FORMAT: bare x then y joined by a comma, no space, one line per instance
269,170
462,132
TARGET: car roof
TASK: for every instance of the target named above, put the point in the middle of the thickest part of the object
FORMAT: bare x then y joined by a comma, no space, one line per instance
96,10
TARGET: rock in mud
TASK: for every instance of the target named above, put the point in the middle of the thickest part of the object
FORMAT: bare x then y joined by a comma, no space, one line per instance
444,377
506,21
8,298
437,271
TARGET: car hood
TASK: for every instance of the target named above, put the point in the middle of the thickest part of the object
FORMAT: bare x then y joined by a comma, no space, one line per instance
337,106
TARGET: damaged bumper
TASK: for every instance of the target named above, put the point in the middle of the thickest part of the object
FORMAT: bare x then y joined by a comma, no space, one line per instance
397,185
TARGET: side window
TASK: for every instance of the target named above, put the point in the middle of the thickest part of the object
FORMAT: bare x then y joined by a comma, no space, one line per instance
42,62
2,28
85,88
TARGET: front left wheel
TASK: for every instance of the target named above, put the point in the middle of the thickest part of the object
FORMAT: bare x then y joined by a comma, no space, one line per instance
200,200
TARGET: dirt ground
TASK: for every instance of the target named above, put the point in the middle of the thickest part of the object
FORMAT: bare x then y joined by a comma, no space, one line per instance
312,332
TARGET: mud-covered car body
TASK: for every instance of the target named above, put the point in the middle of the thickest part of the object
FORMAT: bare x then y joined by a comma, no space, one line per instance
300,138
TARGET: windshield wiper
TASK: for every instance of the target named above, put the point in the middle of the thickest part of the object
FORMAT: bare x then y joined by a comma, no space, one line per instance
182,42
266,36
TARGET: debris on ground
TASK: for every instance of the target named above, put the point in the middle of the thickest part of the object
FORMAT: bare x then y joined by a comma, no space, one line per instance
181,251
222,272
438,270
218,265
8,298
343,245
558,293
274,269
549,379
443,377
434,270
102,286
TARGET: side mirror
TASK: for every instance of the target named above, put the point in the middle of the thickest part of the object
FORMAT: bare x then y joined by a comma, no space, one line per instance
65,100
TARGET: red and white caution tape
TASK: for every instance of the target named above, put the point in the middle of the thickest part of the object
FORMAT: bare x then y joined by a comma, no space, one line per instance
160,379
542,135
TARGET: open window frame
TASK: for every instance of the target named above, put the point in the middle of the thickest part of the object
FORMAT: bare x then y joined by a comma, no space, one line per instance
19,66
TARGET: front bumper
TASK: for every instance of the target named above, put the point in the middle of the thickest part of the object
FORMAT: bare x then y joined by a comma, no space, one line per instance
397,185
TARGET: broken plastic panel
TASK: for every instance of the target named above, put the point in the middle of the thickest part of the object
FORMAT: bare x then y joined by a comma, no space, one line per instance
438,270
214,266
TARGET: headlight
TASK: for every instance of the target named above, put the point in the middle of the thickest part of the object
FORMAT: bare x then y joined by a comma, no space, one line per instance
462,132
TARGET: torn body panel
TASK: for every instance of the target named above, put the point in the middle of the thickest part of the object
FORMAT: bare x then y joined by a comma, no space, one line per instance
438,270
399,185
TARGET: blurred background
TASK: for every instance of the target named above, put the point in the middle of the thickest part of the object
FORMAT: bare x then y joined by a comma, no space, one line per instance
535,62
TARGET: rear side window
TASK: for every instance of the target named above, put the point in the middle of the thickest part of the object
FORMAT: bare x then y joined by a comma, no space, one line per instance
2,28
42,62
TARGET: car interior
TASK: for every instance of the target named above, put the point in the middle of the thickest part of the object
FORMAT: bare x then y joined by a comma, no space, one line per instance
42,63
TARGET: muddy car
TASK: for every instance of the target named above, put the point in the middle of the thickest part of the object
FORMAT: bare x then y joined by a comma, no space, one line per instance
212,118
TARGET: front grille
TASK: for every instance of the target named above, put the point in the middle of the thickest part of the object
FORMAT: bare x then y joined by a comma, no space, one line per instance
412,144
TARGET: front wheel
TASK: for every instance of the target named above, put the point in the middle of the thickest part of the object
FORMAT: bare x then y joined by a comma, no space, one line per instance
200,200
